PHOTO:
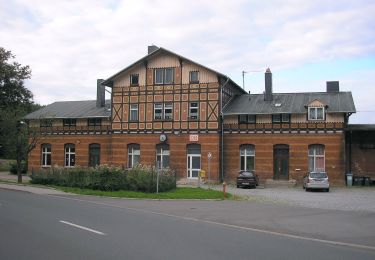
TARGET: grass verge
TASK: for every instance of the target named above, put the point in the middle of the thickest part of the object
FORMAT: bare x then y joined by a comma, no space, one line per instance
179,193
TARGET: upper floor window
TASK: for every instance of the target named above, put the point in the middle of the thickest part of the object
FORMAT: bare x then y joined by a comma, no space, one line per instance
247,157
133,115
134,155
244,119
316,113
134,79
94,121
163,111
70,155
46,155
168,111
281,118
164,76
194,76
45,123
316,158
69,122
193,110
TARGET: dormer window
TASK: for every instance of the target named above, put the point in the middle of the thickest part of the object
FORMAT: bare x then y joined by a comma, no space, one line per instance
134,79
316,113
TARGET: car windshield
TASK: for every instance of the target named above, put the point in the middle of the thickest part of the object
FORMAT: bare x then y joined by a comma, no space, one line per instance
318,175
247,174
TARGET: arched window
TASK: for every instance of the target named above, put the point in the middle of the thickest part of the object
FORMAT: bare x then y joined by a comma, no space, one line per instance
46,155
134,155
70,155
316,158
94,155
247,157
162,155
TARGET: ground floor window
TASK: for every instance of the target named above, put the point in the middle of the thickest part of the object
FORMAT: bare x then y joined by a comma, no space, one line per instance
316,158
46,155
94,155
247,157
70,155
162,156
134,155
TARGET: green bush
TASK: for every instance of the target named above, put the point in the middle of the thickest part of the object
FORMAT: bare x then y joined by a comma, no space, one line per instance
107,178
13,167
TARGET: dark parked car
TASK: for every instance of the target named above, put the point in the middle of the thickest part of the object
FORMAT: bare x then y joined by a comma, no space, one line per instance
247,179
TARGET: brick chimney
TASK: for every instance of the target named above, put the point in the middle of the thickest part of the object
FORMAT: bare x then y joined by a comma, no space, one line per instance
152,48
333,86
268,85
100,93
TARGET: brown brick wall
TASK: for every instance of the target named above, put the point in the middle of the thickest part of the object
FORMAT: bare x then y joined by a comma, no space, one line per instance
298,154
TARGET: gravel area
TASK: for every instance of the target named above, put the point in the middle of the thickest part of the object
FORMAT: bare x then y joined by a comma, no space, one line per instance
341,198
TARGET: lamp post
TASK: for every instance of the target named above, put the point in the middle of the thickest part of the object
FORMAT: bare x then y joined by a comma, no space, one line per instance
19,150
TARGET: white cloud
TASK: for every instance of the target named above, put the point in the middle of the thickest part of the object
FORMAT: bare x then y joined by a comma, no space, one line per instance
69,44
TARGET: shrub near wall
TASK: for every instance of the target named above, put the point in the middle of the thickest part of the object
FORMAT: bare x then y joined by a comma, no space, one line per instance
107,178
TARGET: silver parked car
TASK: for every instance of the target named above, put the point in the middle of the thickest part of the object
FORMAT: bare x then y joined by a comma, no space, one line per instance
316,180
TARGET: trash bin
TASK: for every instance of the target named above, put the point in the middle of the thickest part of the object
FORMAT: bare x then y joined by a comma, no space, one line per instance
349,179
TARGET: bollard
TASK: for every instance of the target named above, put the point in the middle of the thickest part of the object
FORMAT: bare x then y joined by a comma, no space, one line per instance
224,189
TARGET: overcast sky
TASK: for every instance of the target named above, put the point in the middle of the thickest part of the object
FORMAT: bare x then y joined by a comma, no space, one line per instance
69,44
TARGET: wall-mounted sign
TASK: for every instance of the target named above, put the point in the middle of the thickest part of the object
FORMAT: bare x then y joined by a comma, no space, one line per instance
163,138
193,138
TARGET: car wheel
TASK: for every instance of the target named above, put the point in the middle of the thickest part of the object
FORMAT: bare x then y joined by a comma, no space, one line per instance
238,186
306,189
327,190
303,186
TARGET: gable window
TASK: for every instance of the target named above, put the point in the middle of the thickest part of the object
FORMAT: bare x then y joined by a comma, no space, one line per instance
94,122
45,123
168,111
46,155
164,76
193,110
162,156
247,157
133,115
134,155
69,122
134,79
249,119
70,155
316,113
158,111
194,76
316,158
280,118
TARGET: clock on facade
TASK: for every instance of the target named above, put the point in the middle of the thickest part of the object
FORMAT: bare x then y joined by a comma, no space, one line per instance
163,138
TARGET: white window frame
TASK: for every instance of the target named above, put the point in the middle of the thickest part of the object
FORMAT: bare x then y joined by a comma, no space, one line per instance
315,109
158,106
314,156
46,154
245,154
164,73
68,154
162,151
191,107
133,151
132,108
168,106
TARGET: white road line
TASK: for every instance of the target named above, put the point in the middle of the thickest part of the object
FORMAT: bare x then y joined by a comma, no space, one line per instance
81,227
264,231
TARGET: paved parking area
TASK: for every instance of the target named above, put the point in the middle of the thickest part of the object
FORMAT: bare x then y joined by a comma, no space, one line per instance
341,198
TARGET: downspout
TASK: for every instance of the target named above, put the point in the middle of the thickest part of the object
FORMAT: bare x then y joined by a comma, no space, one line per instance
222,131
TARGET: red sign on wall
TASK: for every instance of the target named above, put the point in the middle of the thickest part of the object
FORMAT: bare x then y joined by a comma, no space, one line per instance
193,138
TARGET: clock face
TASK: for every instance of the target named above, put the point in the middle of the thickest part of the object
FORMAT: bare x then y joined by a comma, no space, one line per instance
163,138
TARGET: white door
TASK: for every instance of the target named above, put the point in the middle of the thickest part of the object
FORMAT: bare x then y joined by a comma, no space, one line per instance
193,165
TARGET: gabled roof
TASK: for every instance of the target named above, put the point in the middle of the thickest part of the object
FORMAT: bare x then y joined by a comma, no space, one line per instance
158,51
287,103
71,109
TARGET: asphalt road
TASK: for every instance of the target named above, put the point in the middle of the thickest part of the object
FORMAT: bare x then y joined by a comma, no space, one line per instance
36,226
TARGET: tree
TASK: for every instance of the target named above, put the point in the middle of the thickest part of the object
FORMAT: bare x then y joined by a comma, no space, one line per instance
15,102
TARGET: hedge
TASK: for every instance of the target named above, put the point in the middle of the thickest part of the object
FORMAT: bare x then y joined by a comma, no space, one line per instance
107,178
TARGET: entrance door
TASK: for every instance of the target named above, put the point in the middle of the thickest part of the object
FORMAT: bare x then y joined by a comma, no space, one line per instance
193,160
281,162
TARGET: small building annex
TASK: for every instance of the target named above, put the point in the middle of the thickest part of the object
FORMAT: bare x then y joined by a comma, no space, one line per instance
168,111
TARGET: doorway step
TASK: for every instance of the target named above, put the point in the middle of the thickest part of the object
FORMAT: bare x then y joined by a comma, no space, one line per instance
270,183
187,182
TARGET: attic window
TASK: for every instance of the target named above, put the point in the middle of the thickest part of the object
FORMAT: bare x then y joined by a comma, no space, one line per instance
134,79
316,113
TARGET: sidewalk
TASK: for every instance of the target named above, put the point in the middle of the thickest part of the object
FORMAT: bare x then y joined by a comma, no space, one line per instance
7,176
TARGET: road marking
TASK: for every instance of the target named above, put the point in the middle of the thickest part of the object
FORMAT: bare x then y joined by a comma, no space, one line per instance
81,227
264,231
